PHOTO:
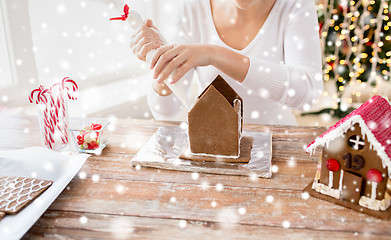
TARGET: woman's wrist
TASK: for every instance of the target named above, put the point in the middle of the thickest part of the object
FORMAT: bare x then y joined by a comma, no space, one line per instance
234,64
212,52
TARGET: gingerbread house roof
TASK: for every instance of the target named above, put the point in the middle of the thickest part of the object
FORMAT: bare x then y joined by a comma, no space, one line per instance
374,119
224,88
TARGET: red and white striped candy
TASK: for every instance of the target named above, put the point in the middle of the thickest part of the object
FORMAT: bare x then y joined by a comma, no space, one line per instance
54,108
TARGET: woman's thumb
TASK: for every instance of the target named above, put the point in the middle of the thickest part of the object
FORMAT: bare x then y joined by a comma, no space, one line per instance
149,23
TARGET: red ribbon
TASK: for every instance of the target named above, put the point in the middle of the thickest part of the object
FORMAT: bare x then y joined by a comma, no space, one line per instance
124,16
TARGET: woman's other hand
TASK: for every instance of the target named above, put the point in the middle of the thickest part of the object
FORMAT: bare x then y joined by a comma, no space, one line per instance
145,39
179,59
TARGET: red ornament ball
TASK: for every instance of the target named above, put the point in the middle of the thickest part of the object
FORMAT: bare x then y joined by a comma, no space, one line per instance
374,175
332,165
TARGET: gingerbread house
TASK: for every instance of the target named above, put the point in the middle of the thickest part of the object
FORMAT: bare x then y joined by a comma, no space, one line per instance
354,167
215,121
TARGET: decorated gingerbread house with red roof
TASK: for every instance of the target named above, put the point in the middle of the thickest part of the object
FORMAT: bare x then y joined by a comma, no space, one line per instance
355,167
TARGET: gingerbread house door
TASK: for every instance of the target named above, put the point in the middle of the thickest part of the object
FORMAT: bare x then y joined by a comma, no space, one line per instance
351,187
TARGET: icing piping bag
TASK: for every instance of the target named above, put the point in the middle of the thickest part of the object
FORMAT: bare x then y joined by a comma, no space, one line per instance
136,22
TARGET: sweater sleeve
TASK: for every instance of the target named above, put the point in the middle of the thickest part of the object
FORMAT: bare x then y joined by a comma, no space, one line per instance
166,108
297,82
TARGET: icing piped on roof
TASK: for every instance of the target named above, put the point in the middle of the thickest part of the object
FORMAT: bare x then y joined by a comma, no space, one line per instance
374,118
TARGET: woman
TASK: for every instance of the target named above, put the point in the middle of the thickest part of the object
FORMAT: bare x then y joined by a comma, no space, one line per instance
267,50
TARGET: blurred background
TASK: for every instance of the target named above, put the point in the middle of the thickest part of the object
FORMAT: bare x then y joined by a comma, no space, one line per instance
43,41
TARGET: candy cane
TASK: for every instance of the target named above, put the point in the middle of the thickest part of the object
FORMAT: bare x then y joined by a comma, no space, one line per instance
32,95
48,128
70,86
62,111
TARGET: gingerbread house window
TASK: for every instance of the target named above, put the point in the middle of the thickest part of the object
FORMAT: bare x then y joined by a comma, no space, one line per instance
356,142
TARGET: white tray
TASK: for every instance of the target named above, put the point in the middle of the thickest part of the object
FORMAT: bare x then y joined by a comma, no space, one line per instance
41,163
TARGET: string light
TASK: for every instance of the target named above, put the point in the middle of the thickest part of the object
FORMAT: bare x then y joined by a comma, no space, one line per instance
355,34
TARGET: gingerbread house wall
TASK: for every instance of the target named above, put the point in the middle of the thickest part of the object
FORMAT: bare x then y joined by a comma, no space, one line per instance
227,91
339,150
213,125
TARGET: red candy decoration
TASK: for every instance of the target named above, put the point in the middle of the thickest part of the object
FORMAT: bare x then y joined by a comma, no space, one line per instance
93,137
124,16
332,165
92,145
374,175
96,126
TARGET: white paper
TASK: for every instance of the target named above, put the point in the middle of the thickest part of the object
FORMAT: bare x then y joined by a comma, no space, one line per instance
41,163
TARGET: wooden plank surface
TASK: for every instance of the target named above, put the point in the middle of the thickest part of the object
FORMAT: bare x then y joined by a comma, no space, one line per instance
109,199
56,224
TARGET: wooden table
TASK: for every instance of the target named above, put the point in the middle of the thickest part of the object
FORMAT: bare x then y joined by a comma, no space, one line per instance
109,199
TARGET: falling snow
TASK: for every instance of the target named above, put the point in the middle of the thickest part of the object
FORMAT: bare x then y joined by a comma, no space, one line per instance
195,176
83,220
242,211
269,199
286,224
305,195
219,187
182,224
120,189
95,178
82,175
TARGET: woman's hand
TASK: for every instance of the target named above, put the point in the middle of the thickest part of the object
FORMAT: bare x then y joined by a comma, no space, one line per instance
145,39
180,58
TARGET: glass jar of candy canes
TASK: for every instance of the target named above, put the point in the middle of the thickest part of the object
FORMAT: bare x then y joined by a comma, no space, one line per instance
53,113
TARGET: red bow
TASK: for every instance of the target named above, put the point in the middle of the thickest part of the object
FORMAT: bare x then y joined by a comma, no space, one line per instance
124,16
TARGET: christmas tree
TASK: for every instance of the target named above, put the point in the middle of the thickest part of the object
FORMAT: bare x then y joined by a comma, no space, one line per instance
355,38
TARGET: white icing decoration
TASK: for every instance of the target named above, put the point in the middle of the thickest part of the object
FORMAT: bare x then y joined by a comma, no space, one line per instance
9,193
326,190
374,204
340,181
213,155
331,179
373,192
238,103
357,142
